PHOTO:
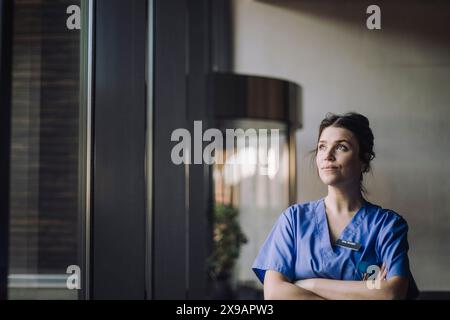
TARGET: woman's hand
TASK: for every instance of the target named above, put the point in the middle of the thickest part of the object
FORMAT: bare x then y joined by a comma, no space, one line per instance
382,273
375,283
394,288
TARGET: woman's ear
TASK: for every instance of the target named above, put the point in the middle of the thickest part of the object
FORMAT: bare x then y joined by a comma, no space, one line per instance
363,167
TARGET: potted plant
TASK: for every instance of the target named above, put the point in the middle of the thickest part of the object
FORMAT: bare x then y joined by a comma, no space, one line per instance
227,241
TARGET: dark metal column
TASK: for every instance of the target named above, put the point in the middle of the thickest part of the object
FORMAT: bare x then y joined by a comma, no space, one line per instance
119,191
170,213
200,220
6,14
182,193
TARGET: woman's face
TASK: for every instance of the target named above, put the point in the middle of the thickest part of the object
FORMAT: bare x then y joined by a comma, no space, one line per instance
338,157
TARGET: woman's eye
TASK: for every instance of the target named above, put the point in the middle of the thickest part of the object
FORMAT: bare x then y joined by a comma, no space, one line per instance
342,147
321,147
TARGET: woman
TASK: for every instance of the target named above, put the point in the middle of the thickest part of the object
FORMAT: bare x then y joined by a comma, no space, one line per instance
341,246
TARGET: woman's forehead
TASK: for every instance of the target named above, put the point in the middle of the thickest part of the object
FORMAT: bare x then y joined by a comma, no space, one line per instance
331,134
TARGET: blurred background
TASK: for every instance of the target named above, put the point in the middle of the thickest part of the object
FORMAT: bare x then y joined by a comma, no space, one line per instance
89,106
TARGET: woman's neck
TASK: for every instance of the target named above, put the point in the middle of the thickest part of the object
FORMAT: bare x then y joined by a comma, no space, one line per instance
343,201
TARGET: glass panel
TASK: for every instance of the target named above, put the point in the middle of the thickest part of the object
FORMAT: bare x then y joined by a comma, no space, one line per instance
255,194
46,191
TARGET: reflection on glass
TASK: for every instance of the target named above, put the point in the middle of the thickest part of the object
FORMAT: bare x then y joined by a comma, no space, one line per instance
259,192
44,192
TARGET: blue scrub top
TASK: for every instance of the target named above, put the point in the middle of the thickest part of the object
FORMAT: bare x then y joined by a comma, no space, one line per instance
299,245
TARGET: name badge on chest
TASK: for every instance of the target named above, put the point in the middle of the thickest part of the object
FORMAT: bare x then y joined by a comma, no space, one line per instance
348,244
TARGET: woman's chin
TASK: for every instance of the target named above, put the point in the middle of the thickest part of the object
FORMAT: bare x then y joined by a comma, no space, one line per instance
330,181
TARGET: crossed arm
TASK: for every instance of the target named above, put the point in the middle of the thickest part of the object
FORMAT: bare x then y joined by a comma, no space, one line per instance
278,287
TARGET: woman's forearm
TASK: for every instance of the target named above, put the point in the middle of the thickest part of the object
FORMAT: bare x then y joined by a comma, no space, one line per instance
342,290
288,291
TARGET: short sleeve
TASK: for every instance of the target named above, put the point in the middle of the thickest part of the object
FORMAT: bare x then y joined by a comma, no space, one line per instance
278,251
392,246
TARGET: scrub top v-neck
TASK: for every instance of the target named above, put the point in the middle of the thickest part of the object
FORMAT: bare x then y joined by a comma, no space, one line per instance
299,246
324,229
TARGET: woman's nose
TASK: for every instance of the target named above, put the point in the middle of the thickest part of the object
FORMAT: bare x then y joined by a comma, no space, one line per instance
329,154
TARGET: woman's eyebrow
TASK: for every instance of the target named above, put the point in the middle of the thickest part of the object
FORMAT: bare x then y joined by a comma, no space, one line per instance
337,141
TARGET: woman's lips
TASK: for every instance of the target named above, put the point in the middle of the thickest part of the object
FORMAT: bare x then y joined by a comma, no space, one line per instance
330,168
